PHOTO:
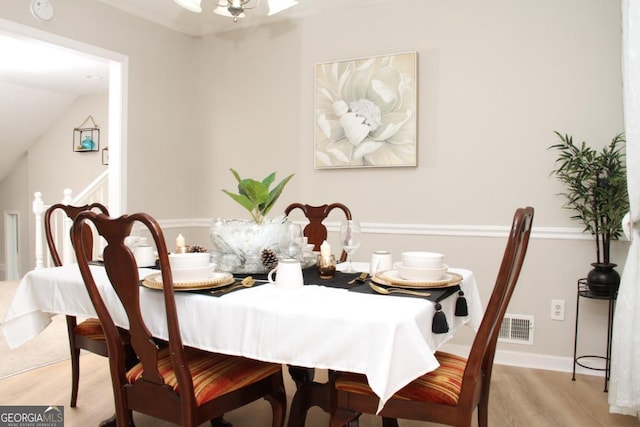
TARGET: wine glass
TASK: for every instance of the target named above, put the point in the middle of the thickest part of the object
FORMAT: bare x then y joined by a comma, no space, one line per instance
291,240
350,239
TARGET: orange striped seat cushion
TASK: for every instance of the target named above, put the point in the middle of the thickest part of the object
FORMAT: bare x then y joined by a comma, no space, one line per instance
213,374
440,386
90,328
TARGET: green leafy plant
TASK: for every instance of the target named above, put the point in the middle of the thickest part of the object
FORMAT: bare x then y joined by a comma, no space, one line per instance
255,196
596,188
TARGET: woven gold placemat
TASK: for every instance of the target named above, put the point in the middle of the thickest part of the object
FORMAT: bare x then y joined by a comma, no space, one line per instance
154,281
392,278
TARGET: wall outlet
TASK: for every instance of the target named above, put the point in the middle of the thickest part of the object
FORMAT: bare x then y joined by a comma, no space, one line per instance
557,309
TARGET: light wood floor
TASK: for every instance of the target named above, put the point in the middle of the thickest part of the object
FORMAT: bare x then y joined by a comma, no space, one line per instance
519,397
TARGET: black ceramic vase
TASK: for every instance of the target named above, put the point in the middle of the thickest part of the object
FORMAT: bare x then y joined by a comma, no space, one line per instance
603,280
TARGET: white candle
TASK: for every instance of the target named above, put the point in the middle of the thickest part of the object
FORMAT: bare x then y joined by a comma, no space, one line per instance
325,249
180,243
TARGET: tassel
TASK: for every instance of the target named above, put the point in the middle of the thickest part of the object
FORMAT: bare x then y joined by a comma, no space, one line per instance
440,325
461,305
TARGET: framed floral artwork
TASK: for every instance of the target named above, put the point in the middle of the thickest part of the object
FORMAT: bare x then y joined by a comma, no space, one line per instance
366,112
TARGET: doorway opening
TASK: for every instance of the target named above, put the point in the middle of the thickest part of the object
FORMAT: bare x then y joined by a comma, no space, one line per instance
117,65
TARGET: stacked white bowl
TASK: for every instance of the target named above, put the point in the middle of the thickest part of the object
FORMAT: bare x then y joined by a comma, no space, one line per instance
421,266
190,267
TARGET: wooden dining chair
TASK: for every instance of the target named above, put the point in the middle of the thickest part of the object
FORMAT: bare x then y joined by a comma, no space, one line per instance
88,334
179,384
316,231
450,394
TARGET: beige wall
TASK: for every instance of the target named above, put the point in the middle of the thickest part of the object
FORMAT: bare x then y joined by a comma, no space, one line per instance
495,80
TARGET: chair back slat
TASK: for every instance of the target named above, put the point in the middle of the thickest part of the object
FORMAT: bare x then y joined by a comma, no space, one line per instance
70,212
316,231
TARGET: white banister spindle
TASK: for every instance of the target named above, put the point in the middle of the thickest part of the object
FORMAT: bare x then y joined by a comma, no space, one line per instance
38,209
61,225
67,197
67,249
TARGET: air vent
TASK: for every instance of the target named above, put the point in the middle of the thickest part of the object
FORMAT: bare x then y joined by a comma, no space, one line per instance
516,329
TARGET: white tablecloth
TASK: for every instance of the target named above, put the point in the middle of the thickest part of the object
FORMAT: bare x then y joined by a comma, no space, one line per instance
387,338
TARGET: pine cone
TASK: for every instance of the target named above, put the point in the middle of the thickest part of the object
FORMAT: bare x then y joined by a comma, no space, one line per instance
269,259
196,248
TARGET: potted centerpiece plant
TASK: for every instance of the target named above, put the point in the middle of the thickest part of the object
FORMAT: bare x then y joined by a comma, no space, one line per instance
596,190
239,244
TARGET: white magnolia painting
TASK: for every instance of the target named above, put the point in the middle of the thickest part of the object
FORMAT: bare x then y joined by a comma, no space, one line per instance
366,112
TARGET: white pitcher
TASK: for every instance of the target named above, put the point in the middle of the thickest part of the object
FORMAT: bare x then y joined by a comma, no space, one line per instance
288,274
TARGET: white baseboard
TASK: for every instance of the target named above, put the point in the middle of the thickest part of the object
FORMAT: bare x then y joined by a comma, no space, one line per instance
527,360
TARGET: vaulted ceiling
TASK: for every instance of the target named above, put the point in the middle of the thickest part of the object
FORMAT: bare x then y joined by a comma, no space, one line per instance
38,82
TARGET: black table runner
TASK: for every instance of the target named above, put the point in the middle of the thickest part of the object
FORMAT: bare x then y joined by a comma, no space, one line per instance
341,281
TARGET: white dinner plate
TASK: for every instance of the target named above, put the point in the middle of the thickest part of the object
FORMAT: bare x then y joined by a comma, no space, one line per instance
393,278
215,280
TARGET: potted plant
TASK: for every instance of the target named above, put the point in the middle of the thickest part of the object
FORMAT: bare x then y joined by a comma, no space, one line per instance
239,244
596,190
255,196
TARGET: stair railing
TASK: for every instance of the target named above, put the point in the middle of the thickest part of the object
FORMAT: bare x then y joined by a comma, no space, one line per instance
96,191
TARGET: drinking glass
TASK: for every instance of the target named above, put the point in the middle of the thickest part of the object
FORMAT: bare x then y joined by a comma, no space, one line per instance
350,239
291,240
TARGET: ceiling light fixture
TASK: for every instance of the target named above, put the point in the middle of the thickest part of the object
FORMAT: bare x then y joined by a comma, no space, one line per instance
236,8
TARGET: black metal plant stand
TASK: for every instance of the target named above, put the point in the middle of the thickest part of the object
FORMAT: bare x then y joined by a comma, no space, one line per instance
585,292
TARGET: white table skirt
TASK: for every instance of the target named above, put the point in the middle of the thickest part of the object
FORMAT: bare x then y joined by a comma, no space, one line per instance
387,338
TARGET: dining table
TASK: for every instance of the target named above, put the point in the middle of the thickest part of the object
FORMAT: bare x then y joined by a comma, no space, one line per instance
336,324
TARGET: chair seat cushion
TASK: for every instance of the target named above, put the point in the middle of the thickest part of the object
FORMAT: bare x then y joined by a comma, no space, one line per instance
213,374
440,386
90,328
